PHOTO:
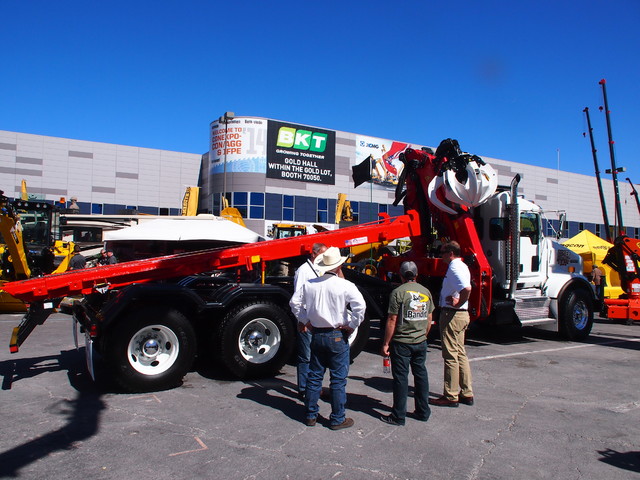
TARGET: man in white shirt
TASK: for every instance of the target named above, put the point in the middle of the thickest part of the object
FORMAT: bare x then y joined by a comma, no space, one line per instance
453,323
321,305
304,273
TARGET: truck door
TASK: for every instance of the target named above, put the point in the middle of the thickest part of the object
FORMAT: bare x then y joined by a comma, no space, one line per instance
531,249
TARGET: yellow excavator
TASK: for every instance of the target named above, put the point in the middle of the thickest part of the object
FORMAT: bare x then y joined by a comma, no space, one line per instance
362,257
29,246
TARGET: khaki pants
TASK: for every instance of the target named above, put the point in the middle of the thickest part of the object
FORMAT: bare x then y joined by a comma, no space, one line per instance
457,374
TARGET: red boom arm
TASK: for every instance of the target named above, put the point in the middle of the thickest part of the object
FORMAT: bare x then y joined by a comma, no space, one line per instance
115,276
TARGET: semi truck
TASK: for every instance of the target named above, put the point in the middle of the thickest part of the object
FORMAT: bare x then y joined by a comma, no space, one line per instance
150,319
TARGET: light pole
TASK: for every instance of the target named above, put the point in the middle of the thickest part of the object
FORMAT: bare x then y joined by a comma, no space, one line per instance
225,119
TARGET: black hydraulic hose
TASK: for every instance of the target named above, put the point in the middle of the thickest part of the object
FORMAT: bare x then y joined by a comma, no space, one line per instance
605,216
614,169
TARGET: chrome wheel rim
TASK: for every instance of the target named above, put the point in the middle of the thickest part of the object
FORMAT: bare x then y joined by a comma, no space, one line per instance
259,341
580,315
153,350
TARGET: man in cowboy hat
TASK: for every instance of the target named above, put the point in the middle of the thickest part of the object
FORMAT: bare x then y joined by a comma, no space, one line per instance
304,273
321,305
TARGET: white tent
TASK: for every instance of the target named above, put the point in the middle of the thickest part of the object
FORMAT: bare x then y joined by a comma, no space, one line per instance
201,227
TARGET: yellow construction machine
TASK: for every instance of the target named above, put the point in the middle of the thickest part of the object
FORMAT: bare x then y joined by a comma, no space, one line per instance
29,245
364,257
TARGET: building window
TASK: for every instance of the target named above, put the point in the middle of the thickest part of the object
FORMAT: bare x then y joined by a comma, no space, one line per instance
256,205
355,208
256,212
323,210
288,205
383,208
240,201
581,226
240,198
96,209
550,231
598,230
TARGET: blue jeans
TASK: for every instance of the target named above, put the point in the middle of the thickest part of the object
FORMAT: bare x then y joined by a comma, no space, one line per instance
329,349
403,356
304,357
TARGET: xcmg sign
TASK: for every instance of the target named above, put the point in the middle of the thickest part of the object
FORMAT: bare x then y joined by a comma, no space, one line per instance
300,153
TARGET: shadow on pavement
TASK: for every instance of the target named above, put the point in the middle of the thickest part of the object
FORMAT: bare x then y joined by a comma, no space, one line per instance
81,414
624,460
282,395
277,394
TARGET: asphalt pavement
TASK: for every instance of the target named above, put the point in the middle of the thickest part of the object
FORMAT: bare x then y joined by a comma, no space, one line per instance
544,409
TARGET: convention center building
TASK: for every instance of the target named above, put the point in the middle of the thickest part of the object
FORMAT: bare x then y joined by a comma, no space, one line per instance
274,171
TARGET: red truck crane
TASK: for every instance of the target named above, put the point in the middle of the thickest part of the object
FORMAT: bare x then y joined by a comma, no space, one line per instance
149,319
624,257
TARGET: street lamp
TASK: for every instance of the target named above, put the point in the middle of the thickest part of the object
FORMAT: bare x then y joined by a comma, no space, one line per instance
225,119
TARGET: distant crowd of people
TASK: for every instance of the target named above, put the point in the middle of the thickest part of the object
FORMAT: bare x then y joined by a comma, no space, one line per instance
329,308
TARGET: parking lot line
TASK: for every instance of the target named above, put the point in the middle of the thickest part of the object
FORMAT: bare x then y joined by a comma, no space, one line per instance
546,350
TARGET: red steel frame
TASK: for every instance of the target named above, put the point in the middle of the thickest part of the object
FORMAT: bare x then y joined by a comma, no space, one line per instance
141,271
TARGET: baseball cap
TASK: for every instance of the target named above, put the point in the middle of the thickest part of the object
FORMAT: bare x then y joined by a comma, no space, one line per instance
408,267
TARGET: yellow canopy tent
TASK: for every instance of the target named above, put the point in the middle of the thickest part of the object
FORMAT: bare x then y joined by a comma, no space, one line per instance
593,249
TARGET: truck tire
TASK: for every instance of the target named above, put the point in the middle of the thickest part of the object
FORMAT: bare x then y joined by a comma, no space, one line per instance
151,349
255,339
359,338
576,315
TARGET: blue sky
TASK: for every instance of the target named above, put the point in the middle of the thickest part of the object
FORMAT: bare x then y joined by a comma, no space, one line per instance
507,79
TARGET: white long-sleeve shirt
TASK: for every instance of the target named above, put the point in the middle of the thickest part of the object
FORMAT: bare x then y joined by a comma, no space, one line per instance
456,279
323,302
304,273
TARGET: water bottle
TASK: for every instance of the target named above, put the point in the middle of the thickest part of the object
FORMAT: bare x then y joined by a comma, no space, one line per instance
386,365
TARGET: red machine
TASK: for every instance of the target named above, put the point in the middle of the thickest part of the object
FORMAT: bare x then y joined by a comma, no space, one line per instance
624,257
446,178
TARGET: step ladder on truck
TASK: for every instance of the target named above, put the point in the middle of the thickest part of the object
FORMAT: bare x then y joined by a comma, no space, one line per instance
149,319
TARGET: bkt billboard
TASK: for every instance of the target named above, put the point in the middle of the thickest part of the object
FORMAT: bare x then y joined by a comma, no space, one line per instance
280,150
299,153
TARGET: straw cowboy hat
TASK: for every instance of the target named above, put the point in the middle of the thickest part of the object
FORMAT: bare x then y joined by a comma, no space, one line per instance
329,260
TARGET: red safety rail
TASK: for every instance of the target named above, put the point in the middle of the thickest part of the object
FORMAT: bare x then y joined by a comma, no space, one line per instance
115,276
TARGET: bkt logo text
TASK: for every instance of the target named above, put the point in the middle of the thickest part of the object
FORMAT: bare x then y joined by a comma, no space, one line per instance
301,139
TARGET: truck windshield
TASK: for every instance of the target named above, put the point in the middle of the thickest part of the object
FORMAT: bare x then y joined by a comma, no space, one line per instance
530,226
36,226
